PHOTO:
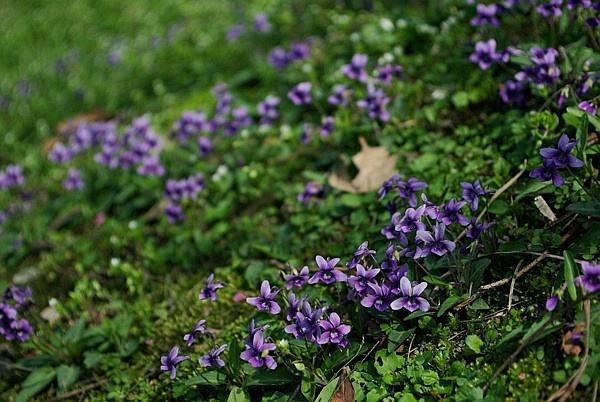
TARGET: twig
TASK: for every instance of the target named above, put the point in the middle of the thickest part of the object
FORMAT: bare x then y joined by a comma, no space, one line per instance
501,282
410,345
512,285
497,194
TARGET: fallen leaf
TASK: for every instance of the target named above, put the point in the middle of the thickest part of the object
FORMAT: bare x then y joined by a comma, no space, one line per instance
344,391
544,208
375,165
572,345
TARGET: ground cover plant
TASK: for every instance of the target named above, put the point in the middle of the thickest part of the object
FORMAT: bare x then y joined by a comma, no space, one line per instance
300,200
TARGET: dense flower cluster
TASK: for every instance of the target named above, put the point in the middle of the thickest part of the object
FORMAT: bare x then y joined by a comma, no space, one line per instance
542,70
12,327
410,228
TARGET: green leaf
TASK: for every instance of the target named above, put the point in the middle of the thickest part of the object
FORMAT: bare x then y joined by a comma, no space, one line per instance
460,99
279,376
238,395
532,188
570,270
74,333
591,208
448,303
395,338
436,280
479,304
328,390
415,314
582,131
208,378
35,382
474,343
66,376
499,207
407,397
511,336
307,387
91,359
351,200
234,355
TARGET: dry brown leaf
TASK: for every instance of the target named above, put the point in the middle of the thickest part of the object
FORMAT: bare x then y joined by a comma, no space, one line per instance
344,391
568,343
375,165
544,208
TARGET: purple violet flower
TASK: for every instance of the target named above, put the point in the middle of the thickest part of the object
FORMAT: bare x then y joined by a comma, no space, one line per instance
266,301
311,190
205,146
411,221
300,94
340,95
588,107
261,23
387,186
591,276
411,297
380,298
561,155
210,289
550,9
552,302
548,171
73,180
327,273
212,359
486,15
267,109
170,362
327,126
333,331
297,280
174,213
279,58
360,282
485,54
361,253
356,69
472,192
294,305
256,353
375,104
151,167
306,323
199,329
450,213
408,189
60,153
475,229
436,244
235,31
386,73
